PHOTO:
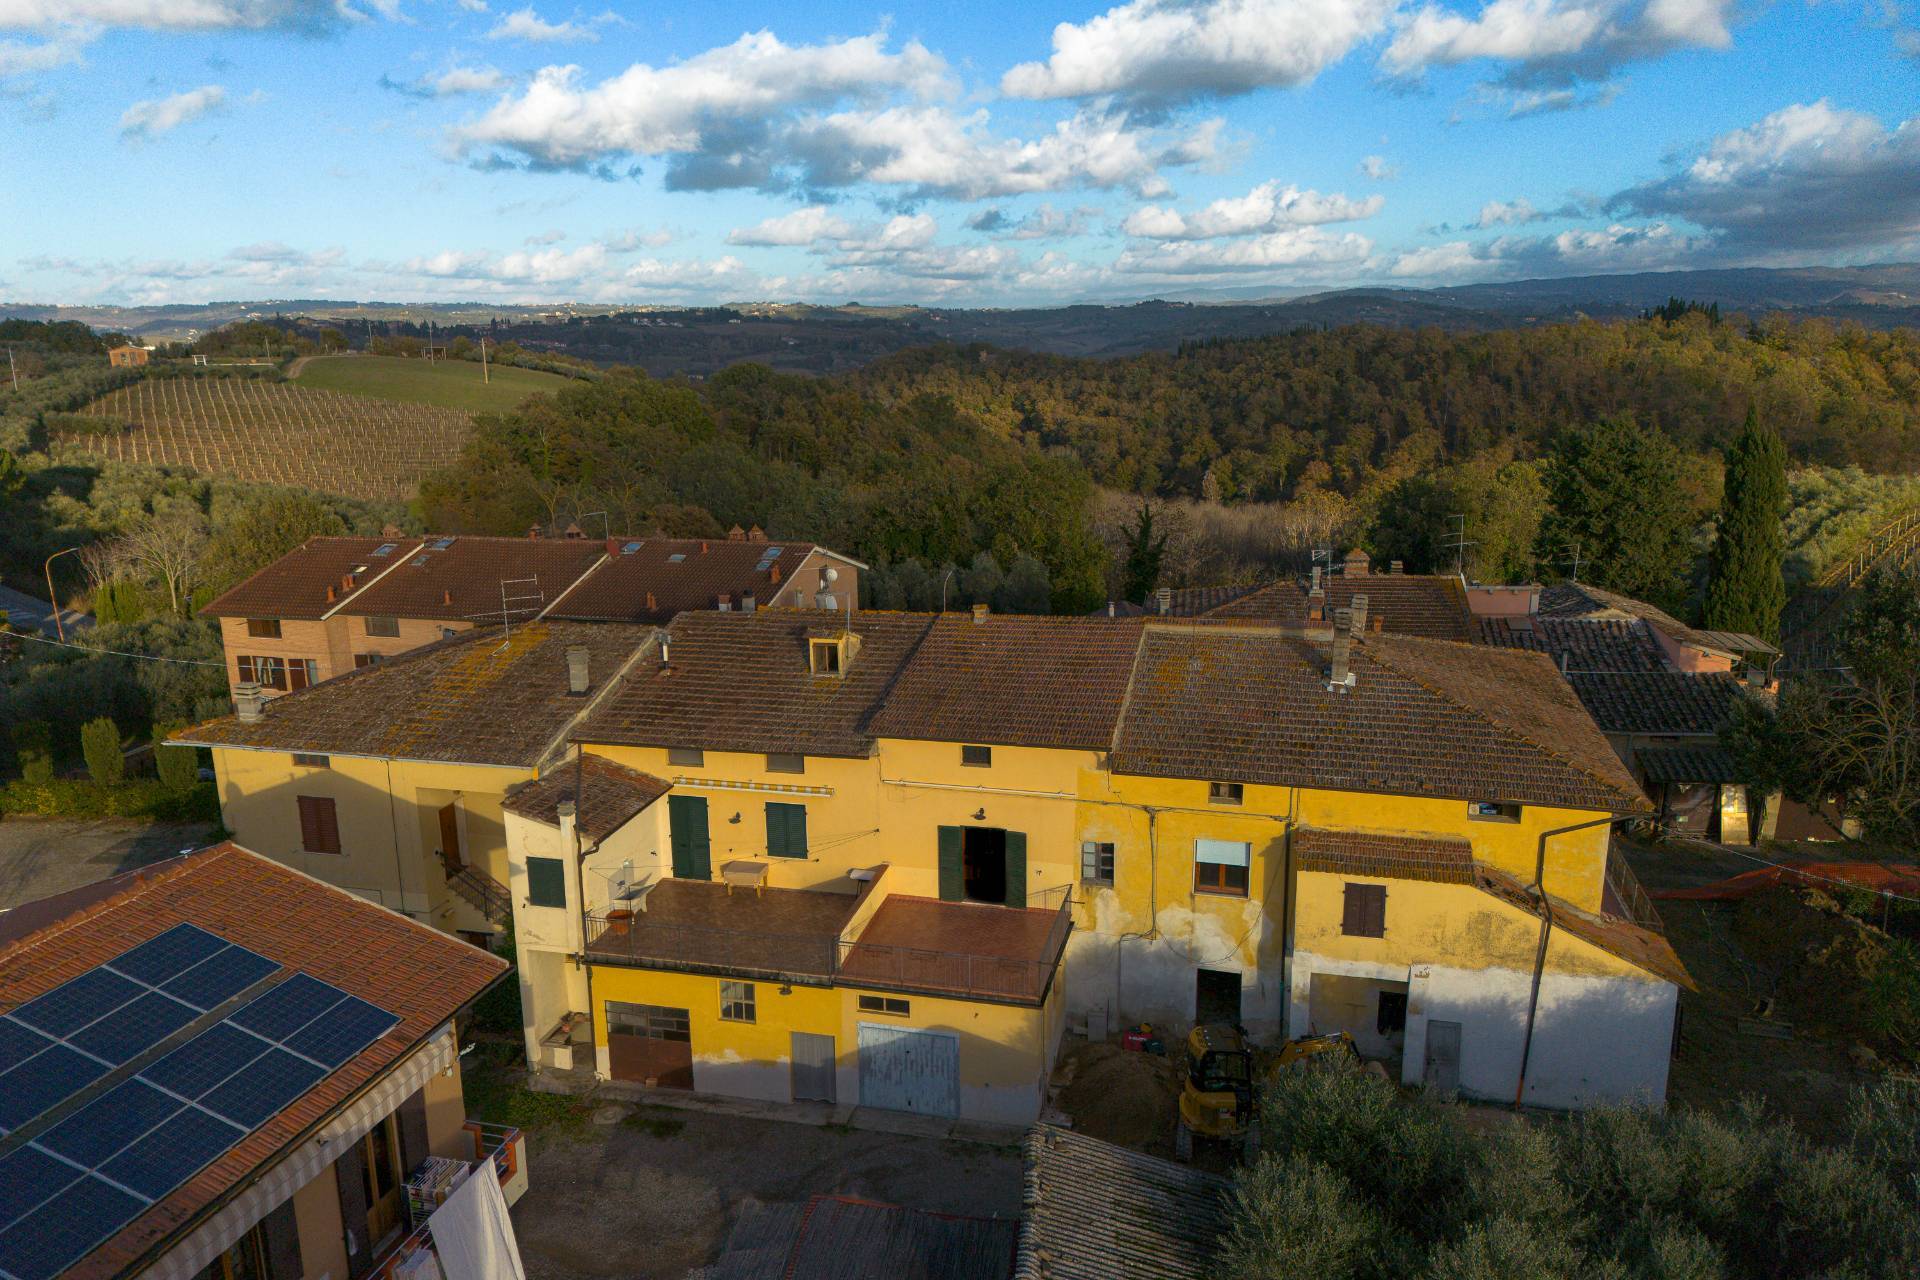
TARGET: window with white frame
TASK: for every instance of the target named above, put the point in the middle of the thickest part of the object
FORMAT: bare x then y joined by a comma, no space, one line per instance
736,1002
1096,861
1220,866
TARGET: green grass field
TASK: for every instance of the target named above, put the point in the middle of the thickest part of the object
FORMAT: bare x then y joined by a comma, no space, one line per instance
452,384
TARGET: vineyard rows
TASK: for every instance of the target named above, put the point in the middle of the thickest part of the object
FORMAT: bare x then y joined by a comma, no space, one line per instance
275,433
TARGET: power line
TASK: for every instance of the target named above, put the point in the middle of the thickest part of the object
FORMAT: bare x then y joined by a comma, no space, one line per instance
118,653
1801,871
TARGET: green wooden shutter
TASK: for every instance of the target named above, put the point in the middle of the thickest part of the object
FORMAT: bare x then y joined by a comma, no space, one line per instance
952,874
1017,869
687,815
786,830
546,882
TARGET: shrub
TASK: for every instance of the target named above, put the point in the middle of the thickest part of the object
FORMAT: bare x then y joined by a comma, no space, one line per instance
178,767
140,798
33,741
100,744
119,601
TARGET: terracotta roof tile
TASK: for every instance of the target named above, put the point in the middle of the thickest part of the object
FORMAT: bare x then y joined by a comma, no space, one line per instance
1182,602
925,944
1659,702
1014,680
741,682
1365,853
406,968
1424,717
701,926
1094,1210
640,581
474,698
611,796
1686,764
1631,942
463,581
296,585
1434,606
1615,644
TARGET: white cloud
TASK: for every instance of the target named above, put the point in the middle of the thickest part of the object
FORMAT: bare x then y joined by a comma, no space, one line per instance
1809,177
551,236
1556,41
525,24
1379,168
451,83
1043,222
154,116
1267,207
801,227
1292,247
1615,248
1506,213
1161,51
473,6
19,58
634,241
174,15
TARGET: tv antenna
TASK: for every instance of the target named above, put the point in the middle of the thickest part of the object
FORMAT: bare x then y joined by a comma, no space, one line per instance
528,600
1457,542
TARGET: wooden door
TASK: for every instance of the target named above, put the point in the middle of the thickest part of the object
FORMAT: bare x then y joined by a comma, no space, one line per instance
1443,1057
813,1068
384,1176
650,1042
450,839
692,856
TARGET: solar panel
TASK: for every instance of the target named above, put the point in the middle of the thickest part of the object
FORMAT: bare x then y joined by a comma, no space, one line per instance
263,1089
18,1042
341,1032
57,1234
178,949
74,1004
27,1178
288,1007
171,1154
45,1080
216,980
96,1131
206,1060
134,1028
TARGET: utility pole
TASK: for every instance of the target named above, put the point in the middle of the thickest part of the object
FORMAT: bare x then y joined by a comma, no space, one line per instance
484,376
11,370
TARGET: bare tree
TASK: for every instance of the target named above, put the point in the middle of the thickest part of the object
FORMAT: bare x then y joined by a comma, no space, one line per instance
169,546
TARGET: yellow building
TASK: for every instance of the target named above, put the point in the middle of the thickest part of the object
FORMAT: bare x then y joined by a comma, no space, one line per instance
388,781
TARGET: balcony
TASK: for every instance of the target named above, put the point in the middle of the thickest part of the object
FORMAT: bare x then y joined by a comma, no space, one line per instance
498,1147
961,949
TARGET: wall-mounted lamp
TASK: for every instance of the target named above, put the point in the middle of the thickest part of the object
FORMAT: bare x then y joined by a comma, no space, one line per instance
734,820
980,814
786,988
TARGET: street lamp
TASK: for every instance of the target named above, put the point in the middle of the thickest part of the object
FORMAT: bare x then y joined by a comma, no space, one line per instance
54,600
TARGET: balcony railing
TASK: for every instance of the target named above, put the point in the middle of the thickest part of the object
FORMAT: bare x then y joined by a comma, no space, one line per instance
498,1146
1623,888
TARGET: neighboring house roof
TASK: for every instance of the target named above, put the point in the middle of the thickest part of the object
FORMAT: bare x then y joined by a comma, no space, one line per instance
1686,764
1580,644
297,585
1094,1210
1182,602
833,1237
1580,600
465,578
1658,702
742,682
704,927
611,795
1434,606
1638,946
967,948
1013,680
1365,853
641,580
475,698
412,971
1424,717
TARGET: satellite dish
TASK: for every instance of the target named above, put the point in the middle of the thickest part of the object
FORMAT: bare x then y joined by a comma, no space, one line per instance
831,575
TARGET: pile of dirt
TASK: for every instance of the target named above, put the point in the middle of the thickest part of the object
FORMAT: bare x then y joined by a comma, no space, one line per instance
1824,963
1121,1096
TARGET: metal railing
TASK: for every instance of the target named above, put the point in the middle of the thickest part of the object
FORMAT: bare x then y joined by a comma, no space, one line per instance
494,1144
1626,890
480,890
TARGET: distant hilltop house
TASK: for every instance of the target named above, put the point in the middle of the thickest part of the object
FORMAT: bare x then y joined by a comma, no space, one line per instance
128,357
336,604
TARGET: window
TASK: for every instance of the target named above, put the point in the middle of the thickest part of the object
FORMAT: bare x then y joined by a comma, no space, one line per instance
1392,1017
692,756
383,626
268,673
786,762
303,761
786,830
1220,866
1493,811
365,659
886,1004
1225,792
264,628
245,1259
386,549
1366,911
655,1022
736,1002
319,824
825,655
976,757
302,673
546,882
1096,861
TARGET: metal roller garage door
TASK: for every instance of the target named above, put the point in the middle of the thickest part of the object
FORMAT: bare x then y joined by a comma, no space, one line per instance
907,1070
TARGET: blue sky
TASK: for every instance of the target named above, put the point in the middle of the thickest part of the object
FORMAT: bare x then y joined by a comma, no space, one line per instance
987,154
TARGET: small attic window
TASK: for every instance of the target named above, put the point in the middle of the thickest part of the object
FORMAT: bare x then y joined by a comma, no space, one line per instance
824,657
386,549
629,549
440,544
676,557
1493,811
418,561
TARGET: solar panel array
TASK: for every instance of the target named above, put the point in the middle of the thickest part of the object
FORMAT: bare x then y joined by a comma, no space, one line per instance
84,1176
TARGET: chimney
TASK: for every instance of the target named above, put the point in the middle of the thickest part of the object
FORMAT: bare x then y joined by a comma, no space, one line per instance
248,705
1397,566
1359,612
565,812
756,534
1112,612
613,547
748,603
346,582
575,531
446,597
726,602
330,595
1314,588
703,547
577,670
1339,672
773,574
1356,562
390,531
666,649
980,612
533,531
1164,599
736,534
1564,655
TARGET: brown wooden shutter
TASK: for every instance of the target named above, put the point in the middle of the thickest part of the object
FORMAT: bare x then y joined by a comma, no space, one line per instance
319,825
413,1131
1364,913
280,1240
350,1174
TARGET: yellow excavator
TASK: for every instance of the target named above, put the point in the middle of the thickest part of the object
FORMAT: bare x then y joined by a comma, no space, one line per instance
1218,1099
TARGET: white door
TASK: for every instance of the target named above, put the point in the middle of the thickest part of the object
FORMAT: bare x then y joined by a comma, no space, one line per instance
906,1070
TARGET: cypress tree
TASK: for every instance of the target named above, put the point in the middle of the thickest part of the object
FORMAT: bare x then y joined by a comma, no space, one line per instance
1745,589
1615,502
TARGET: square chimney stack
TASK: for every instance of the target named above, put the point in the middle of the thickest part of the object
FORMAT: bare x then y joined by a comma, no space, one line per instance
577,670
1339,668
1359,620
